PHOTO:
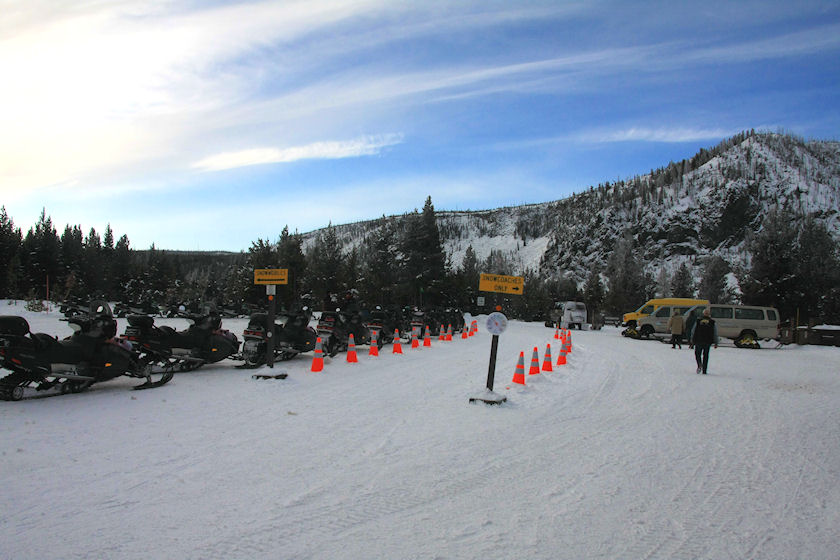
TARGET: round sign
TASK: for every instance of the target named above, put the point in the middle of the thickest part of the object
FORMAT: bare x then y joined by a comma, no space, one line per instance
496,323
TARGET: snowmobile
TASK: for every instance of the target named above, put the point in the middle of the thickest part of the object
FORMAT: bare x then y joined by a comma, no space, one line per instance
205,341
384,323
90,355
292,336
335,327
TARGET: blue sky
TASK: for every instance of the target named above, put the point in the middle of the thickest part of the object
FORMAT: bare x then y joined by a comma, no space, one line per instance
210,124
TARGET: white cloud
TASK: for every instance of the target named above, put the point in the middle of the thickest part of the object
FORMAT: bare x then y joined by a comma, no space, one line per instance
364,146
663,134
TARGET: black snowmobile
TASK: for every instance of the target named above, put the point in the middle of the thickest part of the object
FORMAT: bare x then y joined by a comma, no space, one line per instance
292,336
335,327
384,323
205,341
90,355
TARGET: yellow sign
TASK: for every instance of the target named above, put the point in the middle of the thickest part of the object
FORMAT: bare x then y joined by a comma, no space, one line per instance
271,276
501,284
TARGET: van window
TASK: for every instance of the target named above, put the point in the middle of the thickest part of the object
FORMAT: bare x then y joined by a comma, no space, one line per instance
662,312
721,312
579,306
681,310
749,314
646,309
771,315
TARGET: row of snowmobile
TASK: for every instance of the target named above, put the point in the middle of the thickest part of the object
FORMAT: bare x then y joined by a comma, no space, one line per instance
40,363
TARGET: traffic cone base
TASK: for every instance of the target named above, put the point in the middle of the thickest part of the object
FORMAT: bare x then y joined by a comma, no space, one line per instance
427,338
374,346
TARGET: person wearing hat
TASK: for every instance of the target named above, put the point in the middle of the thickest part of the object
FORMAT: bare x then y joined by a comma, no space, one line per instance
703,336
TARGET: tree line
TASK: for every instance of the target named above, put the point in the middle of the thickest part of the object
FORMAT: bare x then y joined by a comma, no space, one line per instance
401,261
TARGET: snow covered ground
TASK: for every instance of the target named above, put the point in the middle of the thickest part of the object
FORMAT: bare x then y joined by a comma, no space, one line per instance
622,453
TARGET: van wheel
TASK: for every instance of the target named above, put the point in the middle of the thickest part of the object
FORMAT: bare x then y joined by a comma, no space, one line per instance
747,339
646,331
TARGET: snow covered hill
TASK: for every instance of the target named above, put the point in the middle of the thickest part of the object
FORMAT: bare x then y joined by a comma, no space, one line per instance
710,204
622,453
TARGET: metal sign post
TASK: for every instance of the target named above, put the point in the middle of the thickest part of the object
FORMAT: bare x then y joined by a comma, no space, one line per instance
496,325
270,277
270,290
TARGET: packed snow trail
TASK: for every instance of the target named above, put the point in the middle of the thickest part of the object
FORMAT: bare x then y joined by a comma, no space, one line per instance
622,453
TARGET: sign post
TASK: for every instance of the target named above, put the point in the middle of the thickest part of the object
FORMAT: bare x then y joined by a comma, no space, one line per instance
270,277
496,325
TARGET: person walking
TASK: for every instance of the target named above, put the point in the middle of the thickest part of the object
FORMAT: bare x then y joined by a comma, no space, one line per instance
703,336
676,325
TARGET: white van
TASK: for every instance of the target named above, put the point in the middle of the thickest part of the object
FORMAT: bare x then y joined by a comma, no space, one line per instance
657,322
574,315
745,324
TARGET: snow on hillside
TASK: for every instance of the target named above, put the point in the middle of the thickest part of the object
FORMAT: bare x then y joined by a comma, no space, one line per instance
677,215
622,453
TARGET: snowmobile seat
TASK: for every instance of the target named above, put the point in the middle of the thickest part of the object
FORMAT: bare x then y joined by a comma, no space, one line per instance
143,321
13,325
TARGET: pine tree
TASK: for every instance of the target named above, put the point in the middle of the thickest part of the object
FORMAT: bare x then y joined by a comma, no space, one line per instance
324,267
771,278
818,271
682,285
593,292
713,286
424,261
290,256
10,242
40,256
380,265
628,286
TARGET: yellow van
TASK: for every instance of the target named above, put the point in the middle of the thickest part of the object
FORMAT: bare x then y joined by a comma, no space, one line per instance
651,305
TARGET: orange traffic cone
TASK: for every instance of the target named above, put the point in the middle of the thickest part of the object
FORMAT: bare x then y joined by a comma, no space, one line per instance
427,338
519,372
547,359
318,359
464,332
569,343
415,342
557,333
397,346
448,332
442,334
535,362
374,346
351,350
561,359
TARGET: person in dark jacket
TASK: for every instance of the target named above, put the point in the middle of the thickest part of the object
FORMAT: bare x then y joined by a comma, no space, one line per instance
703,336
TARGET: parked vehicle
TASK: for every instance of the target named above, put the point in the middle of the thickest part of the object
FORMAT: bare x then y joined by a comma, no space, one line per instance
657,322
745,324
90,355
292,336
205,341
631,319
574,315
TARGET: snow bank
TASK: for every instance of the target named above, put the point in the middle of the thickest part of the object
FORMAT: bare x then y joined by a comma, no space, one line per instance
622,453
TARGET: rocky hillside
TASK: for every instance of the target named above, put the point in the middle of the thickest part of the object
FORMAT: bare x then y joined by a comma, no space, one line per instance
709,204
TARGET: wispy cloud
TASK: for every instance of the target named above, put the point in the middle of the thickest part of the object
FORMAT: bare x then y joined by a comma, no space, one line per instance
364,146
644,134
